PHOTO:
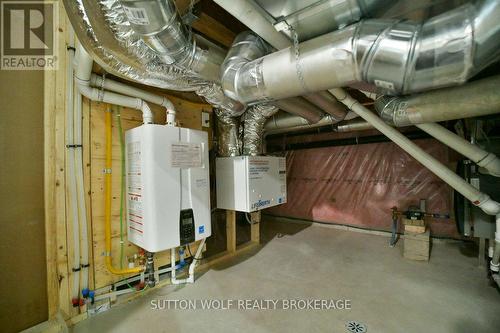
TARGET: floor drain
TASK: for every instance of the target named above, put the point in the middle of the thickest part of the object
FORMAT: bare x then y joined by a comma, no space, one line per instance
355,327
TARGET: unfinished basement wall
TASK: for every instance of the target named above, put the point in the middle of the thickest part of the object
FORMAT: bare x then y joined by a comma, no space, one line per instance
357,185
23,290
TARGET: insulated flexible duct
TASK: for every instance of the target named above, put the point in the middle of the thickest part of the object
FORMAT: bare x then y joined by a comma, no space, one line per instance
161,28
228,134
396,56
253,127
104,30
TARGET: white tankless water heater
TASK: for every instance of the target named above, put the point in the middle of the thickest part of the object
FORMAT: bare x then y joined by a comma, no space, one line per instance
168,190
250,183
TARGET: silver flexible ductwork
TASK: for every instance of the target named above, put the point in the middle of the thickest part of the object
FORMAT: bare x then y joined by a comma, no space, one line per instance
104,30
253,127
161,28
228,134
474,99
398,57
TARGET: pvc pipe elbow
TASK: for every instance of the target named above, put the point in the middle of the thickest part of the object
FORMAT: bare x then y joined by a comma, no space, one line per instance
168,104
494,267
147,114
491,163
488,205
170,119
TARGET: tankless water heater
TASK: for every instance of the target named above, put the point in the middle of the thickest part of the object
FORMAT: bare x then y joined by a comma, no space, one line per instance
167,182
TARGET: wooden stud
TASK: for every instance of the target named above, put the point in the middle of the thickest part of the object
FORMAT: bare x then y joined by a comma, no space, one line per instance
255,217
231,231
54,179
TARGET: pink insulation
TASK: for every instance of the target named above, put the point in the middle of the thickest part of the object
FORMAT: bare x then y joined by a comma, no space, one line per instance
358,185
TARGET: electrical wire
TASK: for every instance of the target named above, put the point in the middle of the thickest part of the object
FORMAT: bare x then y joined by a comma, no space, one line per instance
189,250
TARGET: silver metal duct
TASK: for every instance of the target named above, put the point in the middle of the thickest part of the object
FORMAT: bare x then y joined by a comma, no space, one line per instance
228,134
328,103
104,30
397,57
353,125
300,107
313,18
474,99
285,123
161,28
253,127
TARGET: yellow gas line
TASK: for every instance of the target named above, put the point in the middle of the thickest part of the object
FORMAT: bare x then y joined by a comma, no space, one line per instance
107,201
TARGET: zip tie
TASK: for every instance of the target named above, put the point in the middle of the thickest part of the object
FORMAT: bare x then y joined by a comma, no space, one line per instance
74,146
106,170
76,269
84,265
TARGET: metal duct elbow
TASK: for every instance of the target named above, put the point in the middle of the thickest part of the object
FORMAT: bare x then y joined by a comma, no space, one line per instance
253,127
246,47
162,29
398,57
228,134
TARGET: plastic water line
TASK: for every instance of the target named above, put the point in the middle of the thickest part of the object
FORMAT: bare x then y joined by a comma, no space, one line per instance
72,187
192,266
107,202
83,72
125,89
478,198
488,161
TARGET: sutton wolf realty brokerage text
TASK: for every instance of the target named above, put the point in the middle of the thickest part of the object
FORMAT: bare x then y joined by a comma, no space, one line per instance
251,304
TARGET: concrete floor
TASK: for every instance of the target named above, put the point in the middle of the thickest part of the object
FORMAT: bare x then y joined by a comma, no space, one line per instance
388,293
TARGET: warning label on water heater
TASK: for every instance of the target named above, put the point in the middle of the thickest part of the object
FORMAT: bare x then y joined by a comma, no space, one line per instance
186,155
134,188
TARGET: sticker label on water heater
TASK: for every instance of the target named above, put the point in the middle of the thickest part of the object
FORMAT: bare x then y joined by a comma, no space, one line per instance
134,188
186,155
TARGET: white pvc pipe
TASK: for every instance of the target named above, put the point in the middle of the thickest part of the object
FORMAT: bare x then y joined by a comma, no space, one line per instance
71,181
478,198
122,88
192,266
82,79
494,263
484,159
82,210
254,17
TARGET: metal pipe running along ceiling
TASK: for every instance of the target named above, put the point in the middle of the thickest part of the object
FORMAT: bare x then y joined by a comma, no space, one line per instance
399,57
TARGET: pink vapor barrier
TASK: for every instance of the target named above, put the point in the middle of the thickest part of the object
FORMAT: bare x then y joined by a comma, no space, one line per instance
357,185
